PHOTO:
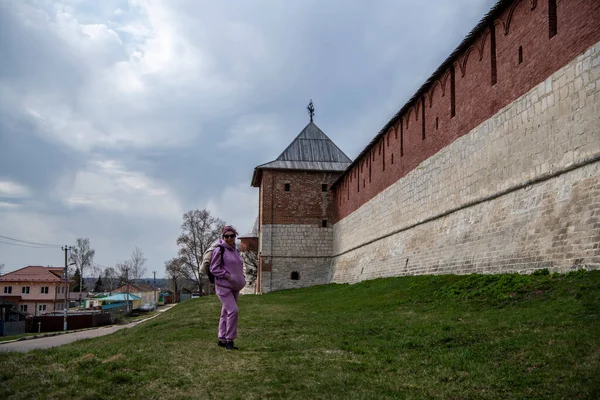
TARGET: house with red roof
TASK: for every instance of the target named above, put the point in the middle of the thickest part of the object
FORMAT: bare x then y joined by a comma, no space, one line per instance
35,290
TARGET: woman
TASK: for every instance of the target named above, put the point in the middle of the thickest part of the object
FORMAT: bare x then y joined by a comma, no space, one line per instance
229,280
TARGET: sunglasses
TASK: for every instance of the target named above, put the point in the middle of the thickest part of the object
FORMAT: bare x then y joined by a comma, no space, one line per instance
229,236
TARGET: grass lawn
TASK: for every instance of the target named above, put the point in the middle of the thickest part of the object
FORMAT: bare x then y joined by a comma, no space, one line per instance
19,336
445,337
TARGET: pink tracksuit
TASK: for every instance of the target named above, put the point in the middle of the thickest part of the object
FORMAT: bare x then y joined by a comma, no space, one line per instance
228,291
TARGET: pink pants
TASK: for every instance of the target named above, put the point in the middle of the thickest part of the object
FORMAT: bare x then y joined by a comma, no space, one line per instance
229,313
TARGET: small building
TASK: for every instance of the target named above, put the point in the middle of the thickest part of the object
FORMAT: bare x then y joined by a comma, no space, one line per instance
35,290
146,293
249,241
120,300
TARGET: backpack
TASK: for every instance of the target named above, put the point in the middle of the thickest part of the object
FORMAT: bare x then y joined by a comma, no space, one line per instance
207,257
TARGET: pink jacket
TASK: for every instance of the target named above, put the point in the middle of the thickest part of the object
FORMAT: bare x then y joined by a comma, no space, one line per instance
230,272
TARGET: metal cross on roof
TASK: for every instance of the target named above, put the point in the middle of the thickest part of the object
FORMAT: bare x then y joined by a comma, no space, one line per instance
311,110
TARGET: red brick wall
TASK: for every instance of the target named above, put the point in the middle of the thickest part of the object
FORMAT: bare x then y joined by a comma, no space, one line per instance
477,97
305,203
249,244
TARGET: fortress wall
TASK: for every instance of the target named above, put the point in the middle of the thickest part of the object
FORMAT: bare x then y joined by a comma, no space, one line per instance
519,191
514,49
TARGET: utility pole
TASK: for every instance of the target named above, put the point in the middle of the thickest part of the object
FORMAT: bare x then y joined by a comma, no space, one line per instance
127,286
80,284
154,272
65,308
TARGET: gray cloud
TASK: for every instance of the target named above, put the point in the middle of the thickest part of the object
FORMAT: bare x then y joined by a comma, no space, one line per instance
118,116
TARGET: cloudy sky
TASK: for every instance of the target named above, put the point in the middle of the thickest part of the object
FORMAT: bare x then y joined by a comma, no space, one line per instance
117,116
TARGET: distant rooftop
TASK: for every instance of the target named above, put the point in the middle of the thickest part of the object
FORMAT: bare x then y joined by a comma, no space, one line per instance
34,273
120,297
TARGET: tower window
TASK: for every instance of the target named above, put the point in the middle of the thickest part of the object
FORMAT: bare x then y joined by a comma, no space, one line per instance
323,187
520,54
295,276
287,187
552,20
324,223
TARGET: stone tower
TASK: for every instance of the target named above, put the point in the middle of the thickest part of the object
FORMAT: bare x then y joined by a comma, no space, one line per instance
295,211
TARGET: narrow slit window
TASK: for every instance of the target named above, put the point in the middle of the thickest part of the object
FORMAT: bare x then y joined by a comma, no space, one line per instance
323,187
324,223
452,93
520,54
392,158
287,187
552,19
494,73
401,138
383,159
423,118
437,123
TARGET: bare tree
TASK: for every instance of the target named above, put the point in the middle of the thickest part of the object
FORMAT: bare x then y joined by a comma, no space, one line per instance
250,259
173,268
1,268
83,256
137,263
96,270
123,270
110,278
199,230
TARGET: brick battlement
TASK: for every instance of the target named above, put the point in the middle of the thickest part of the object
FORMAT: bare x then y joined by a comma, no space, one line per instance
517,46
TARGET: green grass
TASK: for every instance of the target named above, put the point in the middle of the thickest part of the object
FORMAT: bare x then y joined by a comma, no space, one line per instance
19,336
440,337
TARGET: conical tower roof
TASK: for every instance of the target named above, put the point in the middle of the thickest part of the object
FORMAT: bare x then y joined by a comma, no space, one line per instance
313,145
311,150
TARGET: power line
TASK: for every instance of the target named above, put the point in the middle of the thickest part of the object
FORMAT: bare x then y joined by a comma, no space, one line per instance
28,242
29,246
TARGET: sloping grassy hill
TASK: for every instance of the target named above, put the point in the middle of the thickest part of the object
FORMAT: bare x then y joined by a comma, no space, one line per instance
447,337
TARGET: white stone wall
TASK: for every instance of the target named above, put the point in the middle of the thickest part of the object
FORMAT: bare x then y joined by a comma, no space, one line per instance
305,249
312,271
296,240
466,208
